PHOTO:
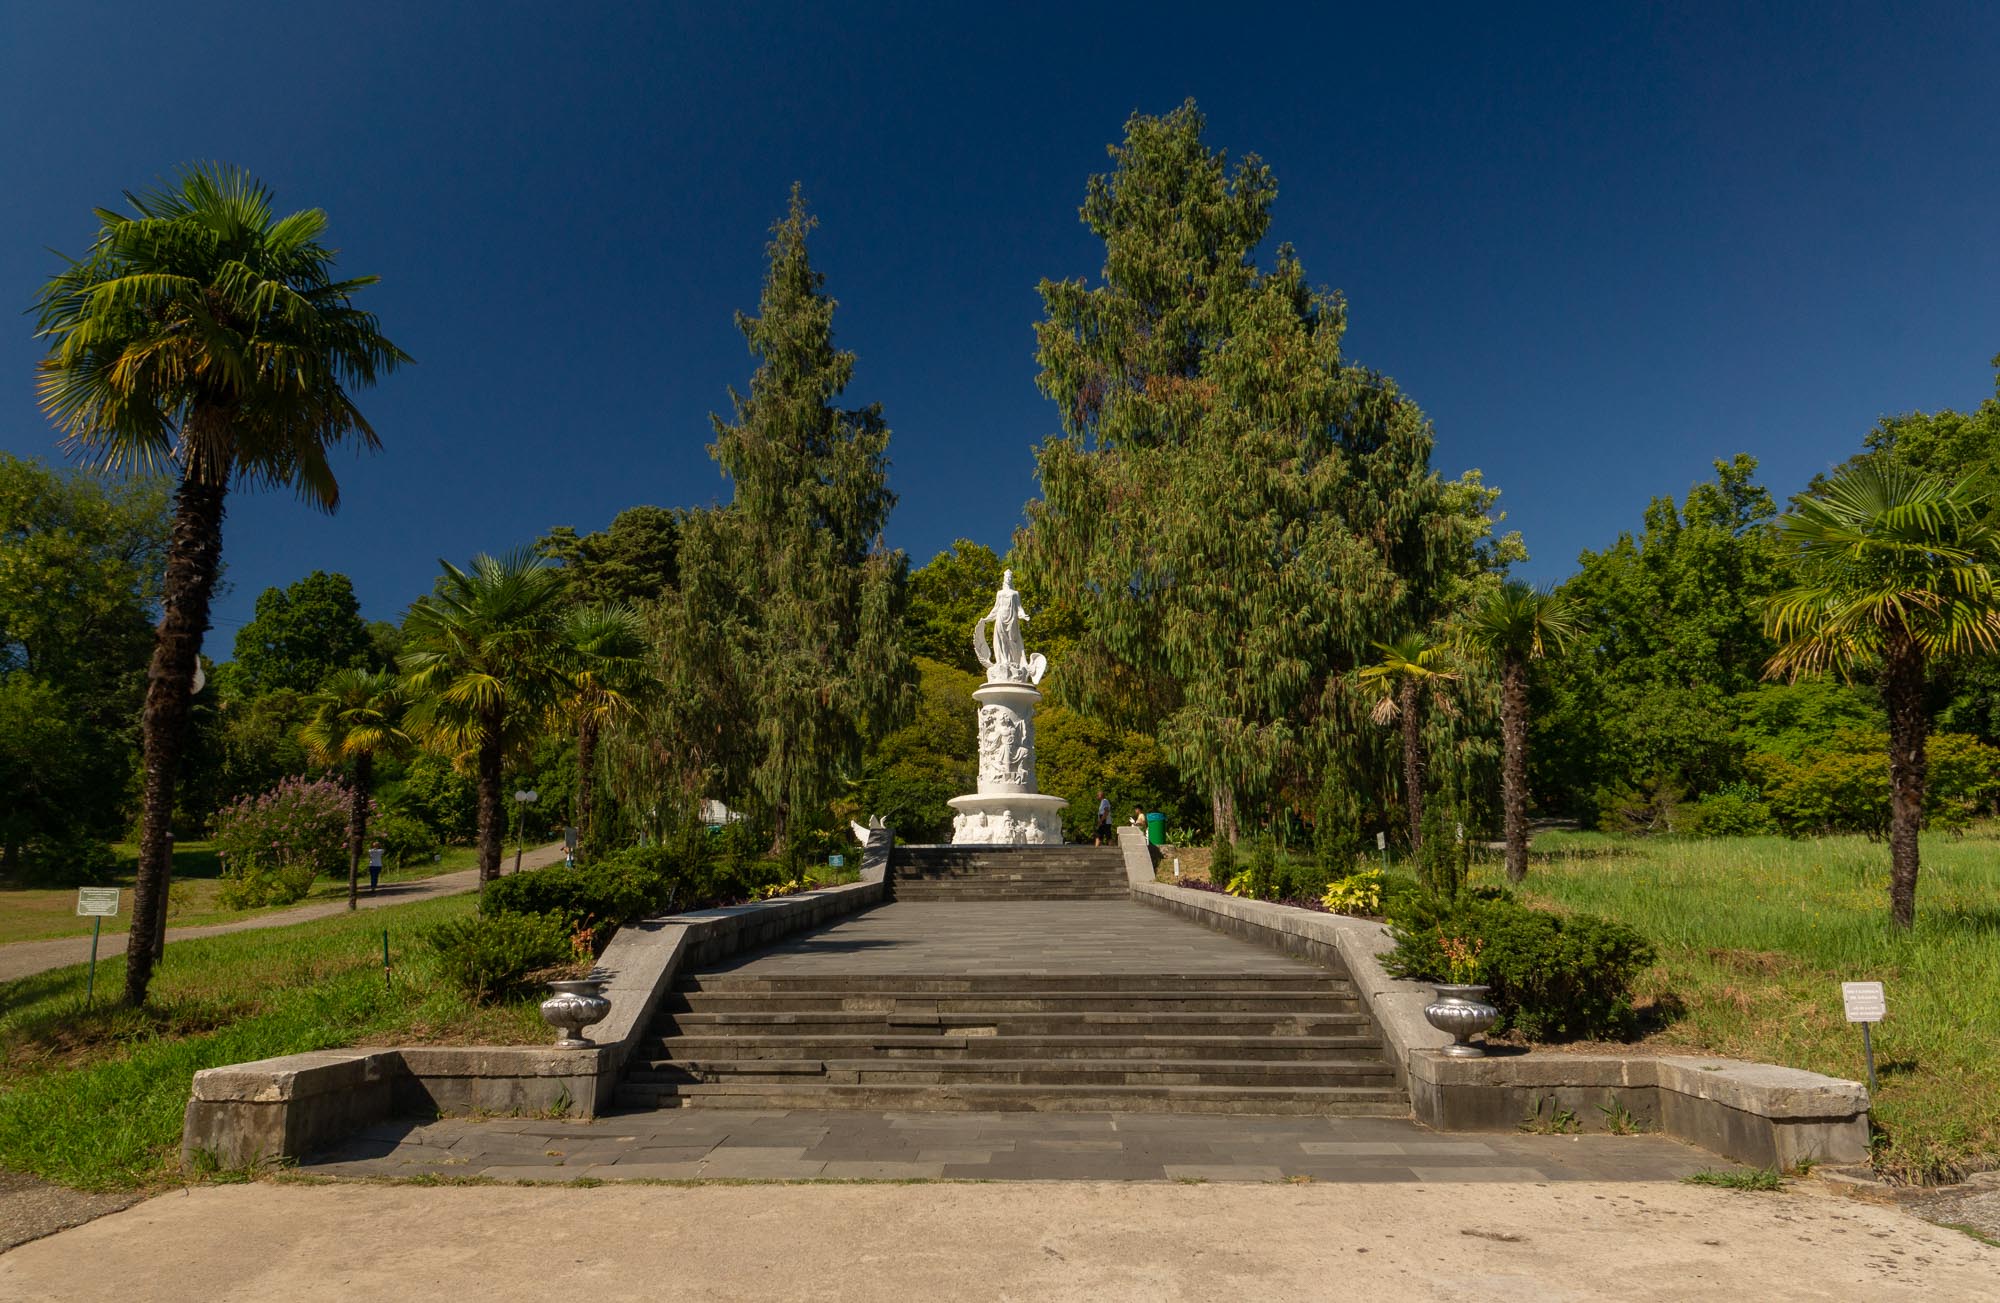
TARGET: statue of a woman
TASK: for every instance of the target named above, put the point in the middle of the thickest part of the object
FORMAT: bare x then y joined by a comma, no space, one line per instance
1008,617
1006,661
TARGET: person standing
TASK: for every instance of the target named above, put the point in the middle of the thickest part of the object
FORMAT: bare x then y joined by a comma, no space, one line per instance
1103,819
569,846
374,865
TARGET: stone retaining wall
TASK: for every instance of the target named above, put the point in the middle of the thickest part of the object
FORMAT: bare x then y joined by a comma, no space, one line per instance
1755,1113
278,1110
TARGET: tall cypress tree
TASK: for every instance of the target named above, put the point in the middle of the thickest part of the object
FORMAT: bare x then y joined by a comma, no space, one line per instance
1237,512
789,603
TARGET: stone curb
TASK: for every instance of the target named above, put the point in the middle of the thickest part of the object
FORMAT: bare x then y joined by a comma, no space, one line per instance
1758,1113
279,1110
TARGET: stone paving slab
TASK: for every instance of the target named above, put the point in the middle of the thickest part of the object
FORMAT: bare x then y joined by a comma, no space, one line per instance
1040,936
702,1144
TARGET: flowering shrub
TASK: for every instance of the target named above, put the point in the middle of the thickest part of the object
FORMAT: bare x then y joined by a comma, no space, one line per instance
274,845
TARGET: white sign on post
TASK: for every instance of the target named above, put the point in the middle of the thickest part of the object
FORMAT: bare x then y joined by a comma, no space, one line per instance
1865,1001
97,902
1381,841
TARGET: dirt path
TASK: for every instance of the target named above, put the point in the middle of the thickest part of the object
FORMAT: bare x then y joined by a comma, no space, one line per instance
1158,1241
25,958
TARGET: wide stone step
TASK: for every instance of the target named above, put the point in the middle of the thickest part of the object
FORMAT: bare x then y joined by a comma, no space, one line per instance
1357,1047
1038,1072
987,894
1105,1023
1024,1001
959,880
1000,982
1348,1101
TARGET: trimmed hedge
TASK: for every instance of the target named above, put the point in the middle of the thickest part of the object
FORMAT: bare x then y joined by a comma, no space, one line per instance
1554,977
489,957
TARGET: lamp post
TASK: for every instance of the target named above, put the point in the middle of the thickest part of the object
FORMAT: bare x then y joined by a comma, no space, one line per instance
522,800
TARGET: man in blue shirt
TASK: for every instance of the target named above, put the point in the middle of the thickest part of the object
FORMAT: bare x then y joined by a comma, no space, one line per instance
1103,819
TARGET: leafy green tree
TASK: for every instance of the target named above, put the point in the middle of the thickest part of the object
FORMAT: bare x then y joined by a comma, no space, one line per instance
1413,672
47,772
1675,614
239,746
441,797
1965,695
301,633
482,667
604,667
1895,571
357,715
913,771
1514,625
1234,512
789,607
1077,756
80,557
947,596
1945,443
635,560
204,333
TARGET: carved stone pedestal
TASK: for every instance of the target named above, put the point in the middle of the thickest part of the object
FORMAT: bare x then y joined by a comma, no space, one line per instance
1007,810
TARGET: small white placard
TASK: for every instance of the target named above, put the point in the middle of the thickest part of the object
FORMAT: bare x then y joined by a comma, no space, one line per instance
1381,841
1864,1000
100,902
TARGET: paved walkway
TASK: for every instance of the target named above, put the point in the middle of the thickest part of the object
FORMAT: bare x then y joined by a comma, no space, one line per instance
709,1144
353,1243
1087,937
25,958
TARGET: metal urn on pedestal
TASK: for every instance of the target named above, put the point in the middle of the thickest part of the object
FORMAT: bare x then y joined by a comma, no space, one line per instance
574,1006
1463,1012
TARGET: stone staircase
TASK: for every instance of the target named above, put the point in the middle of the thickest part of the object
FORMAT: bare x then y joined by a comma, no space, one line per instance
969,873
1278,1043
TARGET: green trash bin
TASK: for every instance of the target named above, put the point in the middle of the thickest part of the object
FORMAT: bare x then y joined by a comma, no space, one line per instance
1156,828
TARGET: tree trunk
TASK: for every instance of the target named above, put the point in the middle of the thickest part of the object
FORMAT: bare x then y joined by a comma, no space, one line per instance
492,817
194,553
357,824
1903,692
1223,803
1514,764
586,777
780,829
1413,762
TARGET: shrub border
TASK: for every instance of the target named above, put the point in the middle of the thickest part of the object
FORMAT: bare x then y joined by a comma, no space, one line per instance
1756,1113
278,1111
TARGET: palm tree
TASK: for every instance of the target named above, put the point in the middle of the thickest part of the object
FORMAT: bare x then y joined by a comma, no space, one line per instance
1895,570
205,335
356,715
1412,669
604,649
1513,625
482,664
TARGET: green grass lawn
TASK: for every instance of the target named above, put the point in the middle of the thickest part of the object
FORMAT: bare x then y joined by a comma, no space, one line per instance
94,1097
36,914
1755,936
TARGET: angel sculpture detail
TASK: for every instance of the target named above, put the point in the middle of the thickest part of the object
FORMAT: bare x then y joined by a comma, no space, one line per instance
1005,661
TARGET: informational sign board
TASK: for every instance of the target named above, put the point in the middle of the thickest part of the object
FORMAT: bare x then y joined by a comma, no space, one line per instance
97,902
1381,841
837,861
1865,1001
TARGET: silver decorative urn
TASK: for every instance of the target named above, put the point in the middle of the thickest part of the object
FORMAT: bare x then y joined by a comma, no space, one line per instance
575,1006
1462,1011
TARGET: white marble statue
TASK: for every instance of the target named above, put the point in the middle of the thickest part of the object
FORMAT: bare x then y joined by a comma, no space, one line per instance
1006,809
1006,661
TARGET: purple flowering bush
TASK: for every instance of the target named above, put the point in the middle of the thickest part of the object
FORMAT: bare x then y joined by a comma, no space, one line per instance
274,845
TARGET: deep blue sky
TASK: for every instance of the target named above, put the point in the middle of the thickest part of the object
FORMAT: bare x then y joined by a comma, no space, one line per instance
1601,249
